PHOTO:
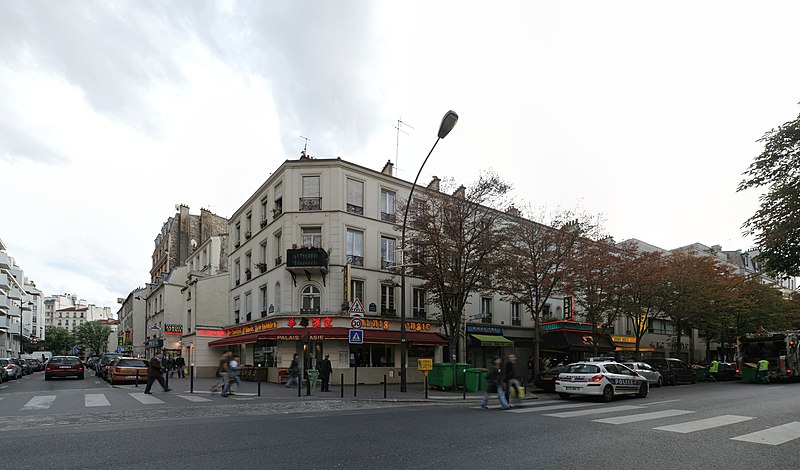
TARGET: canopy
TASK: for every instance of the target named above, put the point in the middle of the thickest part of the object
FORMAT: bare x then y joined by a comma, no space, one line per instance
493,340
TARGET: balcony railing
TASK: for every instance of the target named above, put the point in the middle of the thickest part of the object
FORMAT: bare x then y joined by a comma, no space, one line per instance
387,265
307,259
388,217
310,203
354,260
420,315
353,209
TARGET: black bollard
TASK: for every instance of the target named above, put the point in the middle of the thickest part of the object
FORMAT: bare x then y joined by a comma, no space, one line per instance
299,383
166,380
384,386
191,378
355,381
425,383
465,384
259,379
341,386
137,378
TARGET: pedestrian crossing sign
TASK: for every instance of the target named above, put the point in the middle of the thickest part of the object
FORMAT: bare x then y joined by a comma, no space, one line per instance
356,309
356,336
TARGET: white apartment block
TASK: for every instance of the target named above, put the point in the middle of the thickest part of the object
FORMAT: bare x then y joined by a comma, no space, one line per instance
21,307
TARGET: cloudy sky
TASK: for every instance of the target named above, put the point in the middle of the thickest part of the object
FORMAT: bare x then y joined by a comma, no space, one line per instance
113,112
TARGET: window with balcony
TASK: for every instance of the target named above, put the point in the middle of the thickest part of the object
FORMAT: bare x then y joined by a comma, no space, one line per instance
387,253
388,199
310,299
277,248
248,265
311,200
248,305
312,237
264,212
419,304
237,272
356,290
355,247
248,225
486,309
515,318
355,196
277,202
262,293
387,300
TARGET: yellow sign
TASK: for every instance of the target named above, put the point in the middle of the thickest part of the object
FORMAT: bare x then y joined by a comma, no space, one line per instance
623,339
424,364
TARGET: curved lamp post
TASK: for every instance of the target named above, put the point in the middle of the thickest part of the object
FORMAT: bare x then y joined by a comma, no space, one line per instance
21,308
448,122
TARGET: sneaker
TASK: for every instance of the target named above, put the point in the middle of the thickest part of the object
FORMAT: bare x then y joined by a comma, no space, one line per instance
148,393
484,407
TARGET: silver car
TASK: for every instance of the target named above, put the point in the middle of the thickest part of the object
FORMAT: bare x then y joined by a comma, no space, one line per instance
14,371
646,370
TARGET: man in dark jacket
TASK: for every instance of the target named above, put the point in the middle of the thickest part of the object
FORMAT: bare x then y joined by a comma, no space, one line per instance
510,377
325,370
154,371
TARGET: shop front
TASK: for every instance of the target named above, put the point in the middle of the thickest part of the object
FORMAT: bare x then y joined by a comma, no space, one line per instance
625,348
573,341
484,343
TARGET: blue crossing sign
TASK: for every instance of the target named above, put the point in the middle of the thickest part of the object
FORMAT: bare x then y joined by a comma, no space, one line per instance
356,336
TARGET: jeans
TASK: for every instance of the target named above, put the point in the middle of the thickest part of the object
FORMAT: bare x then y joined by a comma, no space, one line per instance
227,388
500,395
293,377
512,383
180,372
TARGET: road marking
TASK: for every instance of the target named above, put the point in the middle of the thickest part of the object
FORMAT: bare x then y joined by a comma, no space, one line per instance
702,424
95,399
642,417
524,405
660,402
551,407
596,411
146,399
773,436
194,398
42,402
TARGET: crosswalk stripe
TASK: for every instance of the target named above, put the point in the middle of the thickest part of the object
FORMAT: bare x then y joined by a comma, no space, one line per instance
773,436
194,398
642,417
551,407
610,409
702,424
41,402
526,404
95,399
146,399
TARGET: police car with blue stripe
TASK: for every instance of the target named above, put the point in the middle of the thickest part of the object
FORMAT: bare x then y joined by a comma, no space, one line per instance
604,379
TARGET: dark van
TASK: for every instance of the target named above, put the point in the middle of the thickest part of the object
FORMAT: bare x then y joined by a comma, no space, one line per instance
674,371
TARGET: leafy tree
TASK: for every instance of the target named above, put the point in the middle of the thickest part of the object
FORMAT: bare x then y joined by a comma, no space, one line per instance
58,340
639,275
93,335
776,224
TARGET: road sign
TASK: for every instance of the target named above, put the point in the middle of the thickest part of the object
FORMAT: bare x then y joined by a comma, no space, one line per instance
425,364
120,349
356,309
356,323
356,336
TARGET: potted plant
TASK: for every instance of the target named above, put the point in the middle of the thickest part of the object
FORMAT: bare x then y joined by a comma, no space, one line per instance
248,273
261,267
264,223
236,245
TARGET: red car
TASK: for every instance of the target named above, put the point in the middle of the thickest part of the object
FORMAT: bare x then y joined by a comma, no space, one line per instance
63,366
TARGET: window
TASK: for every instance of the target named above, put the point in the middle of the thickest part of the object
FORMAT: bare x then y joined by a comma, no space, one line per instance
546,311
387,253
248,225
278,259
312,237
387,300
262,293
277,210
277,297
237,234
355,247
188,320
486,309
311,200
310,299
372,355
248,261
236,310
248,306
237,274
419,304
356,290
263,254
264,210
388,206
355,196
515,319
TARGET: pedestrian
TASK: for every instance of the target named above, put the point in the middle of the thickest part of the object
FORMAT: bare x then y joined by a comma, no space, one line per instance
171,366
180,363
531,364
494,378
155,369
222,371
510,378
763,371
713,368
294,371
233,377
325,370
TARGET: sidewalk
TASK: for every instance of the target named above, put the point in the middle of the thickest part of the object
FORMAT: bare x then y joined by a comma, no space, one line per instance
415,391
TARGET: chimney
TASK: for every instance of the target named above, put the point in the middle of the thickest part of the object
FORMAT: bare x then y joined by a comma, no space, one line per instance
388,169
434,184
512,211
460,192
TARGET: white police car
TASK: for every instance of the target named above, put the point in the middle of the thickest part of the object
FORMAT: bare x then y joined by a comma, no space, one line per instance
604,379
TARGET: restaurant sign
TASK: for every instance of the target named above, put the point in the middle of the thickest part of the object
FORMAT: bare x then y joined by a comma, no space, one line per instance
254,328
173,329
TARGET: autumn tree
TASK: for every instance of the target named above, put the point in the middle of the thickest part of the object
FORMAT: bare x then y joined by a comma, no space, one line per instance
452,242
639,277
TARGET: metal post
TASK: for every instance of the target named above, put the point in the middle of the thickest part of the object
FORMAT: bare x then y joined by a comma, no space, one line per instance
465,384
384,386
355,381
258,371
341,386
191,378
299,382
166,380
137,378
425,383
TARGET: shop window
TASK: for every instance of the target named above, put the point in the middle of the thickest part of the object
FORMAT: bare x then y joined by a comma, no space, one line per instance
372,355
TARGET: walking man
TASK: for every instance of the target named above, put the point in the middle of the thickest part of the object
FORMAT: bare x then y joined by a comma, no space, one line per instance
180,363
222,371
155,369
494,384
294,371
510,377
233,377
325,370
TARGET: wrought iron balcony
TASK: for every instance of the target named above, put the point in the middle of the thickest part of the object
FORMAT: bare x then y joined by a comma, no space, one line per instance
388,217
353,209
354,260
310,203
307,259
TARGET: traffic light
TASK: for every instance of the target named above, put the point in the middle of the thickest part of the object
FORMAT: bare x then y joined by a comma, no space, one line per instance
568,307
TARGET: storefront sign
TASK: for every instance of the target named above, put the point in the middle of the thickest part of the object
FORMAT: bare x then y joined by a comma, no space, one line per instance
623,339
256,327
375,323
204,332
489,330
316,322
300,337
418,326
173,329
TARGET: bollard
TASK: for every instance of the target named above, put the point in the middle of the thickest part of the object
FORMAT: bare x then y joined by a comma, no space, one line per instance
137,378
425,383
341,386
258,371
465,384
384,386
191,378
299,383
166,380
355,381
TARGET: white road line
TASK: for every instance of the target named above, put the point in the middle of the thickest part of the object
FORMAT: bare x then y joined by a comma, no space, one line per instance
773,436
194,398
146,399
596,411
661,402
702,424
42,402
551,407
95,399
642,417
525,405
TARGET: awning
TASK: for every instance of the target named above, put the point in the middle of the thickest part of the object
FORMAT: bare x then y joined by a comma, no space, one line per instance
238,339
299,333
420,338
577,341
415,337
493,340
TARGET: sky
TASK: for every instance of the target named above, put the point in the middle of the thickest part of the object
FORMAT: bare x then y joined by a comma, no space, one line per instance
111,113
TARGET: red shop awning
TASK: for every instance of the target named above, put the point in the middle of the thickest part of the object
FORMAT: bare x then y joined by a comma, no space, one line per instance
238,339
414,337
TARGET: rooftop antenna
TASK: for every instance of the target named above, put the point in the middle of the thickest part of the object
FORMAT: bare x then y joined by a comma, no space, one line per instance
399,125
305,146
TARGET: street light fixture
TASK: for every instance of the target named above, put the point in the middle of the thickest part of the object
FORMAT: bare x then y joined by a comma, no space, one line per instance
21,308
448,122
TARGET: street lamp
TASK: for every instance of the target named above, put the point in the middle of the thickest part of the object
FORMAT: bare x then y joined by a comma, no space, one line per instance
21,308
448,122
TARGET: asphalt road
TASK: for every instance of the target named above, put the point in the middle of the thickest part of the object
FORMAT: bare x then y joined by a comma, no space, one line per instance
709,426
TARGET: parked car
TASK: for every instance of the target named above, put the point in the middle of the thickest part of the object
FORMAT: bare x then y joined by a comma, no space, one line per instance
91,361
126,369
646,370
64,366
14,371
102,363
605,379
674,371
547,379
26,368
36,366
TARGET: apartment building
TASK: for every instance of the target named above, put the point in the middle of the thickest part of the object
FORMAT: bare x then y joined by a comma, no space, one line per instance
20,307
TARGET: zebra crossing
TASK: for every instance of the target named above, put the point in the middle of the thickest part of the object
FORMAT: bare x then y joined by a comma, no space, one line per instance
621,415
101,400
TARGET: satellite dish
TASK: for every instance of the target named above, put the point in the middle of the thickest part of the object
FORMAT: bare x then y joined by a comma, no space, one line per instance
193,242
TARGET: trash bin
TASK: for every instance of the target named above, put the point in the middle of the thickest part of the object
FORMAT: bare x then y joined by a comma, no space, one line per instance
748,375
313,375
475,380
700,374
441,375
460,366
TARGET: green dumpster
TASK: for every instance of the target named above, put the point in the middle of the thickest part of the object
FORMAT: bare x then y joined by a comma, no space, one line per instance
700,374
748,375
441,375
460,367
313,375
475,380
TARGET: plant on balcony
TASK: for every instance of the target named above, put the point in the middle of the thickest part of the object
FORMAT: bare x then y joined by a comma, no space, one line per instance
236,245
248,273
264,223
248,235
262,267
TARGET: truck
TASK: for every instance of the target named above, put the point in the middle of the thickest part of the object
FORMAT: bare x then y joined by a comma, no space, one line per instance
780,349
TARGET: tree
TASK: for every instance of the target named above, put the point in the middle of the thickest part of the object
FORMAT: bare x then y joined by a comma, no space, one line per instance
93,336
58,340
776,224
452,242
637,287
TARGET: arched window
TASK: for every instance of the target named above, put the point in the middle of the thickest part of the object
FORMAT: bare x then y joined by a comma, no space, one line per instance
310,299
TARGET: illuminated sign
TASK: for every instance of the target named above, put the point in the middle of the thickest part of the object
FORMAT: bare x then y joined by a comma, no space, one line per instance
316,322
425,364
203,332
418,326
254,328
173,329
623,339
375,323
300,337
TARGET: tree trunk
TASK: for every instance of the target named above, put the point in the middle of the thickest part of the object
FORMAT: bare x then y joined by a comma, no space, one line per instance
536,354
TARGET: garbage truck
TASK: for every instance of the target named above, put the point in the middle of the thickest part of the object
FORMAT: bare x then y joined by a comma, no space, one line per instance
780,349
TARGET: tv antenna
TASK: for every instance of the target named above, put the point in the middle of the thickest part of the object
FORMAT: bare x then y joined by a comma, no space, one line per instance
305,146
399,128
